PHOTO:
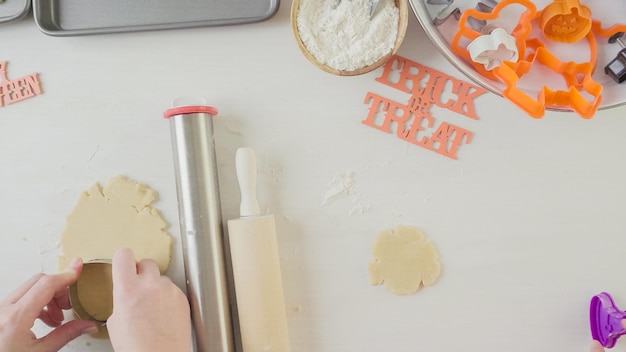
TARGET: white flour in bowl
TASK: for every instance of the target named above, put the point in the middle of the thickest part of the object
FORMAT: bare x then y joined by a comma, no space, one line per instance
341,34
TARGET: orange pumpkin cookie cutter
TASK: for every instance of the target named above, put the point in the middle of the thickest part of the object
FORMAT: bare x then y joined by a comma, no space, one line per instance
565,21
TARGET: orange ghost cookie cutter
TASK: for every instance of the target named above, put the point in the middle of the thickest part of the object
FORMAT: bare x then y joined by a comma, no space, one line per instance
521,32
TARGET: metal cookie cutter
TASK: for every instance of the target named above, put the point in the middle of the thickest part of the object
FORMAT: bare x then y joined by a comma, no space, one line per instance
466,31
495,45
577,76
100,304
605,320
454,11
483,6
444,14
565,21
616,69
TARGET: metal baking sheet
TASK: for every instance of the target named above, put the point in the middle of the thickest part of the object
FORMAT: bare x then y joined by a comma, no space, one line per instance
83,17
13,10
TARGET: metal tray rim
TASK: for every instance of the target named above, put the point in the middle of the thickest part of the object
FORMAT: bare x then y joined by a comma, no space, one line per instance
40,13
20,15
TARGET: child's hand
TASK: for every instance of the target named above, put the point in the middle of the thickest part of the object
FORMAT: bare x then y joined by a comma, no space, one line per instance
596,346
150,313
43,297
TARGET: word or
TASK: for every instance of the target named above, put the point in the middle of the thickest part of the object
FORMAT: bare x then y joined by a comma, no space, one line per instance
12,91
427,87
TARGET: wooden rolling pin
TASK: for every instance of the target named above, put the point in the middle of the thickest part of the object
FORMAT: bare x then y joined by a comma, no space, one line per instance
256,268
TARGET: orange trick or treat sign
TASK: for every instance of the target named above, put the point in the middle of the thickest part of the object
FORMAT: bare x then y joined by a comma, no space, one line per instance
413,120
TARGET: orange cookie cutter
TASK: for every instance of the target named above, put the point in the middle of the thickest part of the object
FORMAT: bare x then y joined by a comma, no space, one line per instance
521,32
577,76
565,21
607,32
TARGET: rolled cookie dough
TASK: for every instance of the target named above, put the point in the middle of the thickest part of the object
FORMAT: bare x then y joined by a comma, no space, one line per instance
403,260
120,215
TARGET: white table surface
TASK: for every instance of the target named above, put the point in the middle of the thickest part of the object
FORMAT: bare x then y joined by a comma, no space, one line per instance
528,221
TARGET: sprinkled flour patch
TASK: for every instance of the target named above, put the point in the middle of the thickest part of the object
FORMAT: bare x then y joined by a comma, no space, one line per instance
342,186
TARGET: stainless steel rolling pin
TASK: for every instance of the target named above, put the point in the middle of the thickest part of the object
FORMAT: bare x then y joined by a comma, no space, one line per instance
201,223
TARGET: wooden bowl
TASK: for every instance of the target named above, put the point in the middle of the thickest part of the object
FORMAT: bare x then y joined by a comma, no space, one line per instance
402,25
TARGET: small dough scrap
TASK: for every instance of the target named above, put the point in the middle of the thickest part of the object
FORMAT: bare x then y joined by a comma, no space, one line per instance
120,215
403,260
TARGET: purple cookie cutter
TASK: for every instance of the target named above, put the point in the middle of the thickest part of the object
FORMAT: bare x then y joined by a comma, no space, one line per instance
606,320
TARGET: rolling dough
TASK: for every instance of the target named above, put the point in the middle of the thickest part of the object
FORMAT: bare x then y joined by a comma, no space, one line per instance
120,215
403,260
